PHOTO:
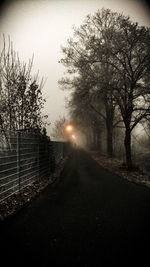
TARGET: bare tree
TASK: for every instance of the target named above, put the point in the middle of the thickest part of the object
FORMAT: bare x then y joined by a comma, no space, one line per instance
20,93
111,39
95,79
130,51
58,131
85,118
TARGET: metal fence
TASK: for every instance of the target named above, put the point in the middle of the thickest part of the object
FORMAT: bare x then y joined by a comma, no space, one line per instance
59,150
24,158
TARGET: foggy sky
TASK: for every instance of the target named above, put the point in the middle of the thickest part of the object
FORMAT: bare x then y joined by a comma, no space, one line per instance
42,26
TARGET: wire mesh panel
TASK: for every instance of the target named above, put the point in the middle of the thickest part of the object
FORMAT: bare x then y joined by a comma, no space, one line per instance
28,158
8,166
24,158
44,157
58,150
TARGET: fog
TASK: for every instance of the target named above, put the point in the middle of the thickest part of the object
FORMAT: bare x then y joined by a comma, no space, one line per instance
41,27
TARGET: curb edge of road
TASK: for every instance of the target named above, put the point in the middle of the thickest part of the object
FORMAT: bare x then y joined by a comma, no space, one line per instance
144,183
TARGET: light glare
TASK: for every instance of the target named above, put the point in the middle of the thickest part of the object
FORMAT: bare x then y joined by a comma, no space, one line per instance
69,128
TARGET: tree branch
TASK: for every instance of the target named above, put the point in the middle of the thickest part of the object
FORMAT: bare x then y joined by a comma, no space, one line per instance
138,120
99,113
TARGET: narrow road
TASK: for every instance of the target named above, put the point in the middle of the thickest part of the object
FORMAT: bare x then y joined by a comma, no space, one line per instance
88,217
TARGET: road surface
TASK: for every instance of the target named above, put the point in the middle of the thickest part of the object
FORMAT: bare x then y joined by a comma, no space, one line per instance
88,217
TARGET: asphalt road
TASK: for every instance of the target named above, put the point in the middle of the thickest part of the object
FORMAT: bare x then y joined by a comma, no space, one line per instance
88,217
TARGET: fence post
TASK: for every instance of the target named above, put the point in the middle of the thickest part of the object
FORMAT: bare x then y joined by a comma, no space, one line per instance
38,157
18,159
48,154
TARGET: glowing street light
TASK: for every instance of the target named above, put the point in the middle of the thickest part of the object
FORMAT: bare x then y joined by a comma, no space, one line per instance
69,128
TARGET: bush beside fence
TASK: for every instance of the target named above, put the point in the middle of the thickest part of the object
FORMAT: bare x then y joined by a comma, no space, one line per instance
25,158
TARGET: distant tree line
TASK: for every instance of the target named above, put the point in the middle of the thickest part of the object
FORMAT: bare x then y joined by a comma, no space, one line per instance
21,100
58,131
108,71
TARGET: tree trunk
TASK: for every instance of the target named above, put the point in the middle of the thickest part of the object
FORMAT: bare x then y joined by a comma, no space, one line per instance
109,128
99,144
88,139
127,143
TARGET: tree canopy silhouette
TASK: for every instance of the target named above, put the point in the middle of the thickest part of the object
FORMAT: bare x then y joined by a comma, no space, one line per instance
113,54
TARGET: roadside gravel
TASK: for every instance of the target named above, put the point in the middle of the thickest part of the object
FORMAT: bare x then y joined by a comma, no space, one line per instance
116,166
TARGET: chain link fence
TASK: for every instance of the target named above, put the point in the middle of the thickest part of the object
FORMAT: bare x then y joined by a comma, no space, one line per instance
24,158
